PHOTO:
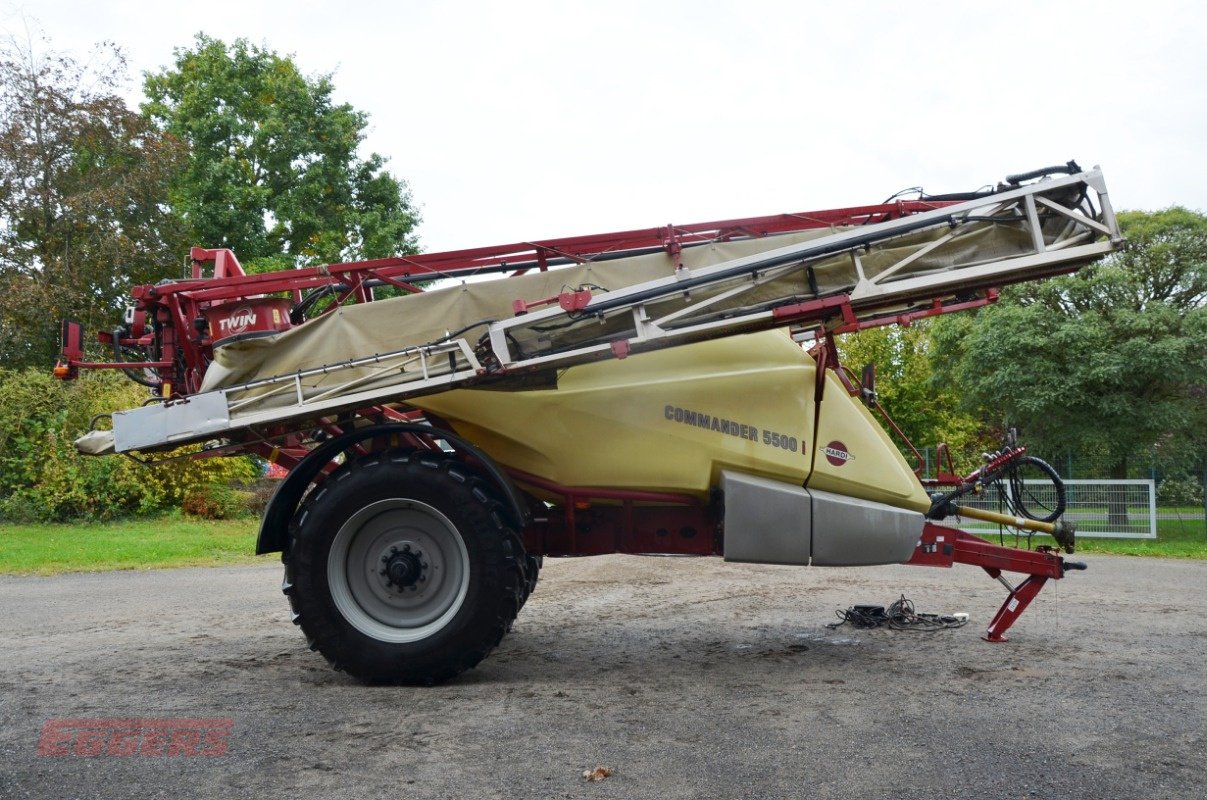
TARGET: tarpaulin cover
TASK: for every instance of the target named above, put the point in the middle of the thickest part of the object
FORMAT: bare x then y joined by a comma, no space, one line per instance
366,329
389,325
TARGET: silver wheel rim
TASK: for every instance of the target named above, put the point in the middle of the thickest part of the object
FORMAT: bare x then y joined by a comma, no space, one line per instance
398,570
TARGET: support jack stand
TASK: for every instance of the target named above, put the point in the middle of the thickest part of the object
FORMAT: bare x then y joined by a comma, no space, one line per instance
941,546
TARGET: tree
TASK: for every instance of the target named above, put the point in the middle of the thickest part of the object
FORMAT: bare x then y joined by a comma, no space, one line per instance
273,171
927,411
1111,360
83,197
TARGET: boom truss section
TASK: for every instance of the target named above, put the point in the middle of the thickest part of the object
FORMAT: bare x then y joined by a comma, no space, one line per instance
853,277
879,268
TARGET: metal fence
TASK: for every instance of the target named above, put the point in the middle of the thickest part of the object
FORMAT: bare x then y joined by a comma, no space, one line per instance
1122,509
1180,494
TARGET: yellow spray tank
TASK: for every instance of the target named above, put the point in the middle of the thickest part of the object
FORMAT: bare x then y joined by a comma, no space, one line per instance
738,413
673,420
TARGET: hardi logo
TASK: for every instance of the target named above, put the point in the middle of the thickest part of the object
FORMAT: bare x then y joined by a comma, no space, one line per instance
239,321
837,454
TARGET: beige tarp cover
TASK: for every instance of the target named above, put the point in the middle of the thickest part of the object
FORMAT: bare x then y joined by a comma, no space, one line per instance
95,443
388,325
360,330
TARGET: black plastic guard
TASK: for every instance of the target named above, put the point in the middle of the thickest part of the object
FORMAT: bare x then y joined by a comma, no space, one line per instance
274,527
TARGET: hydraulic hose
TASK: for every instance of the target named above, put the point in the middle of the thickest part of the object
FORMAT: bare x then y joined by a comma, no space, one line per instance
1070,168
119,357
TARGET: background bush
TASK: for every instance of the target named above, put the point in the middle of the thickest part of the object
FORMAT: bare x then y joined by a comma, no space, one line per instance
44,479
1181,491
215,501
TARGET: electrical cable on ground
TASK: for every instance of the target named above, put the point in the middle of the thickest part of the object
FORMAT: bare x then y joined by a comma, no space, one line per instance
900,616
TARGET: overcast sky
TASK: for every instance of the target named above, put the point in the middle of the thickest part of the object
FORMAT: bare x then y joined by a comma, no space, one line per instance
520,120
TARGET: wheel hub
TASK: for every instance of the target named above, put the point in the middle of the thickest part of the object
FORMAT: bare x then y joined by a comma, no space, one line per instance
398,570
404,568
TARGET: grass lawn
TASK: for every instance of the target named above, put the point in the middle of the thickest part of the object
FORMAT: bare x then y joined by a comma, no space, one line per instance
174,541
168,541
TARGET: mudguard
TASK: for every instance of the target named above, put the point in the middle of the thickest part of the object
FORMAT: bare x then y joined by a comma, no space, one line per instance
274,527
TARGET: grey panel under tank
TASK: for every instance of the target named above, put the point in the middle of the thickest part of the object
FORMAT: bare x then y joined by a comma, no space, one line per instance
766,522
852,532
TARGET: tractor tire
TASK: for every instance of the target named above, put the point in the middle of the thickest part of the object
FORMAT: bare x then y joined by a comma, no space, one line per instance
402,569
532,573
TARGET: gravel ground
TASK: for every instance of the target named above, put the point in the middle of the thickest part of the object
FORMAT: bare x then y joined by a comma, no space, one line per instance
688,677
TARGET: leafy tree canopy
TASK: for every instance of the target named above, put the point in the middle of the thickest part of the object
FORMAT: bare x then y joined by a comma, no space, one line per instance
927,412
83,197
1111,360
273,171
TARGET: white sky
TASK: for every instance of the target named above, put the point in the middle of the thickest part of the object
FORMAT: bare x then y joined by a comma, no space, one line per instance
519,120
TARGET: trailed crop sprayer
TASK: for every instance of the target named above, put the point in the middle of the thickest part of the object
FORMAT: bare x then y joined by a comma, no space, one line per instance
674,390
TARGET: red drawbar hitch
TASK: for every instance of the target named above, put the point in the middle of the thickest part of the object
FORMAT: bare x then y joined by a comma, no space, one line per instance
941,546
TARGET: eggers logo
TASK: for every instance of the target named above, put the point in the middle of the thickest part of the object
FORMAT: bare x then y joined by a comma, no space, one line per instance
837,454
135,737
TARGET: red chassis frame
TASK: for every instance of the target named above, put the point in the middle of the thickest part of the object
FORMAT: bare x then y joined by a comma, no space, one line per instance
579,520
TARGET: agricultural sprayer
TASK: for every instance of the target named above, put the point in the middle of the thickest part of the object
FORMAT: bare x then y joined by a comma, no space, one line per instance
674,390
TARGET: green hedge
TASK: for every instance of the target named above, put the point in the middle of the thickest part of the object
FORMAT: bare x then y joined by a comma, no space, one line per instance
44,479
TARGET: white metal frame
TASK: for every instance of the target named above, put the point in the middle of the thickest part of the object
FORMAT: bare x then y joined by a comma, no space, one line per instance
1080,242
209,414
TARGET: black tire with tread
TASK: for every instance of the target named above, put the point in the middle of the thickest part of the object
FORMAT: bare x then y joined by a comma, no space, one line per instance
532,573
499,574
